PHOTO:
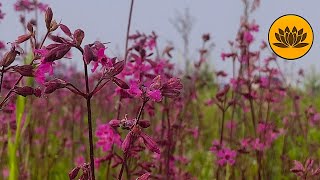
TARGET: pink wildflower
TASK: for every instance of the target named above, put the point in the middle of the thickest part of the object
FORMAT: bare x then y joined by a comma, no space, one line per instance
134,89
107,136
155,95
226,156
248,37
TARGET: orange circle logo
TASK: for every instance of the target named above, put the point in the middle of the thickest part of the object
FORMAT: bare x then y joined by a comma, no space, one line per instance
290,36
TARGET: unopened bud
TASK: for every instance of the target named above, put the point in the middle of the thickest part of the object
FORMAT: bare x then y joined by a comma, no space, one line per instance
24,70
74,173
53,85
114,123
23,38
54,25
144,123
9,57
57,53
206,37
37,92
150,143
30,27
78,36
120,83
127,141
48,18
65,29
173,83
24,91
145,176
117,68
88,55
170,93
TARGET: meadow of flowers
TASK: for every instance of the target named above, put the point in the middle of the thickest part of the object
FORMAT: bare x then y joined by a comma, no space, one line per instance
140,116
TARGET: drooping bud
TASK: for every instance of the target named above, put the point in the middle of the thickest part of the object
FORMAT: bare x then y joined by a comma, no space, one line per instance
222,92
173,83
298,168
24,70
57,53
145,176
114,123
74,173
171,88
48,18
117,68
308,164
37,92
23,38
156,83
65,29
24,91
206,37
144,123
170,93
120,83
53,85
30,27
127,141
88,55
9,57
54,25
150,143
78,36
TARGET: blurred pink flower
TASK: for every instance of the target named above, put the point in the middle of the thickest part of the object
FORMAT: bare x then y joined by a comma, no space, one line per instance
107,136
134,89
226,156
80,160
248,37
155,95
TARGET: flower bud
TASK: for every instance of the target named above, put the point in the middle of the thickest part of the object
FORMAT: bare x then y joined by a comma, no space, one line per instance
54,25
127,141
114,123
156,83
170,93
57,53
57,39
48,18
173,83
24,91
88,55
150,143
144,123
206,37
37,92
53,85
74,173
30,27
23,38
78,36
65,29
222,92
9,57
145,176
24,70
120,83
117,68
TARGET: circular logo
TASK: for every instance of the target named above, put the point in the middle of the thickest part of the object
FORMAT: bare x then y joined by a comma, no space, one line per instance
290,36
